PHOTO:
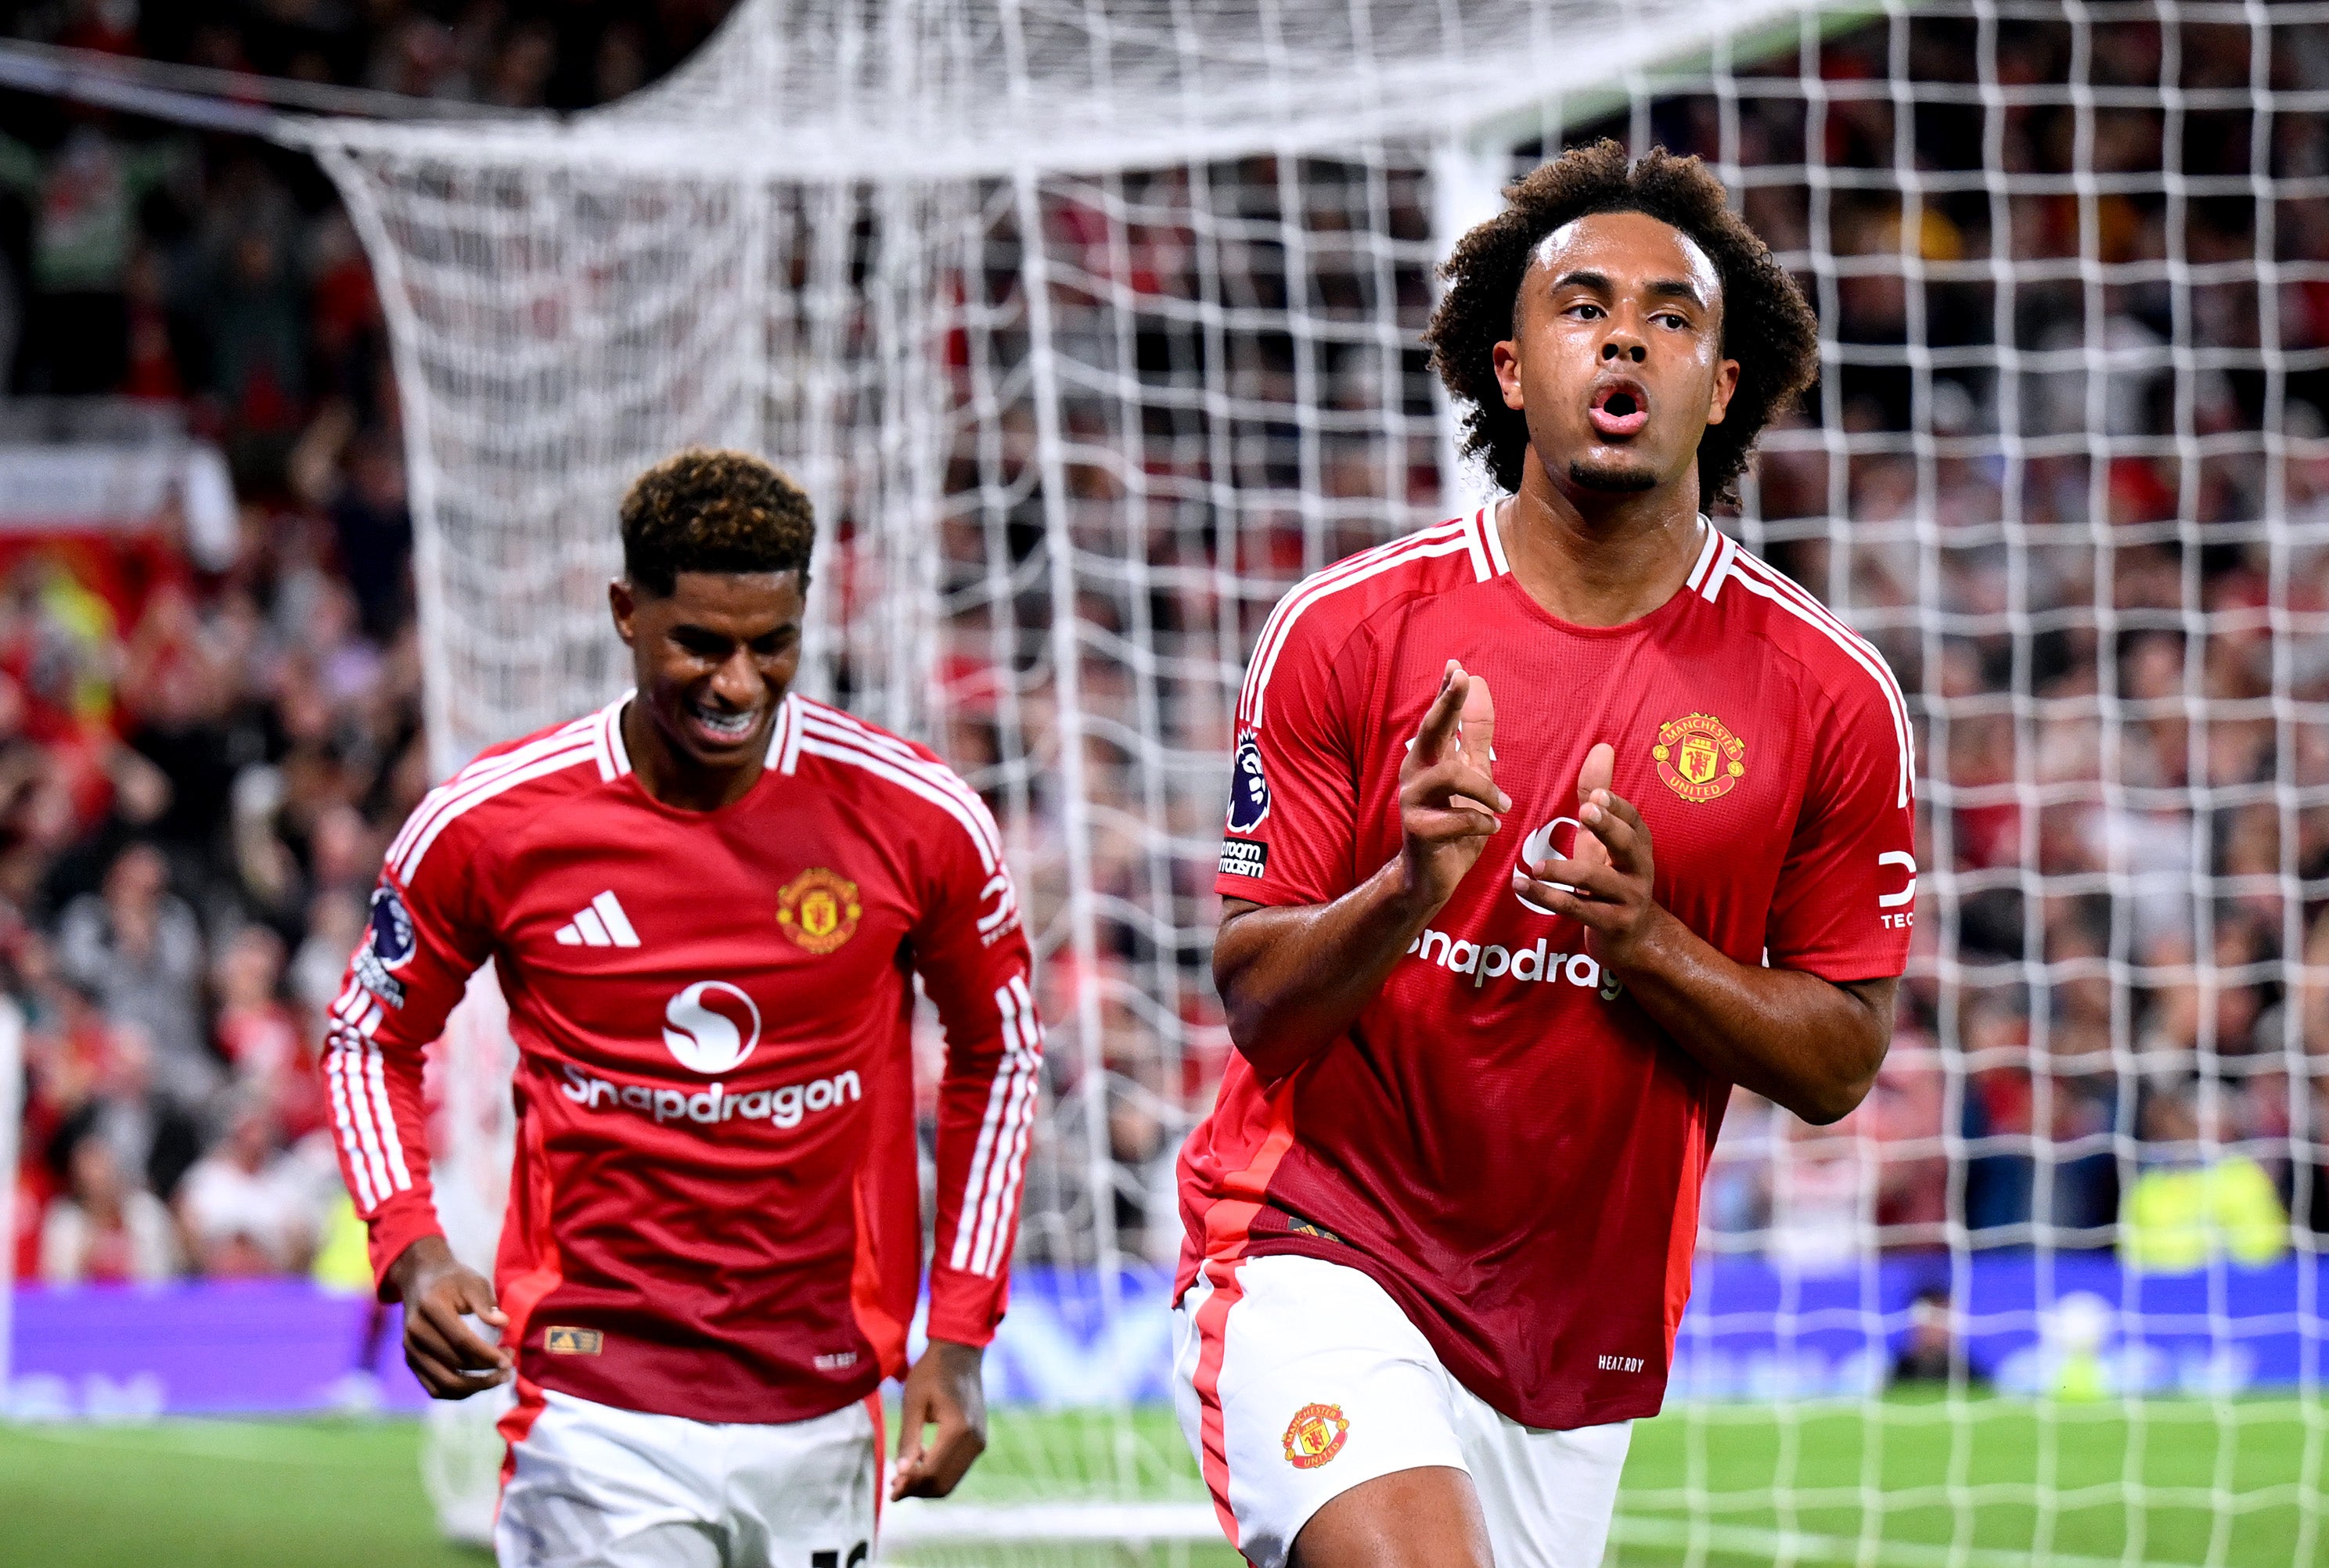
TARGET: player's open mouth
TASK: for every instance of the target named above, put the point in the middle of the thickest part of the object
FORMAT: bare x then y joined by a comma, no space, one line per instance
719,726
1619,408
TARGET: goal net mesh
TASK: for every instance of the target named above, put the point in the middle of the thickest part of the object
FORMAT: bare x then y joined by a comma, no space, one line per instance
1092,328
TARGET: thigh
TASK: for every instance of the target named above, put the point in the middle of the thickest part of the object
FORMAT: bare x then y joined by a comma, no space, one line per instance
805,1494
1414,1518
1298,1381
592,1486
1548,1496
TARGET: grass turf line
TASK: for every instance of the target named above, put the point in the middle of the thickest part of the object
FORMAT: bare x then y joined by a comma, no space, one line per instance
334,1492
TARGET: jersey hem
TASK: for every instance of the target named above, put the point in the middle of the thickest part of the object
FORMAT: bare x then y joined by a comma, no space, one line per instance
1845,968
960,1331
1590,1412
1243,889
544,1371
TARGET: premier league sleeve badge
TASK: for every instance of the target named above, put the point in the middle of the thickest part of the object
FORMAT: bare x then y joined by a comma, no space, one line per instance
1248,788
387,946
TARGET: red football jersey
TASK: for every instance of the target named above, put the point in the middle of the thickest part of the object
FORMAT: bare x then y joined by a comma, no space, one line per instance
1504,1140
715,1209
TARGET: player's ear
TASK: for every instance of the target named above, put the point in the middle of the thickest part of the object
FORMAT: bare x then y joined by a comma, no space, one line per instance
625,605
1507,358
1726,384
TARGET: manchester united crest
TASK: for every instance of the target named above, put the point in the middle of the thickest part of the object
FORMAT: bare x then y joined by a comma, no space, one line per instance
1315,1435
1699,757
818,909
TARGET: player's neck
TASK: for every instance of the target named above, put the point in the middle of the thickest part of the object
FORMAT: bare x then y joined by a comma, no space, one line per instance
674,778
1596,559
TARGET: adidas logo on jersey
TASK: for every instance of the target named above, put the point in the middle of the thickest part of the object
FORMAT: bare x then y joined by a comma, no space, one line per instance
600,923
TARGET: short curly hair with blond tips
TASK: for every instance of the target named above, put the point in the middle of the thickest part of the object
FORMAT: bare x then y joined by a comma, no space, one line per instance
707,511
1767,326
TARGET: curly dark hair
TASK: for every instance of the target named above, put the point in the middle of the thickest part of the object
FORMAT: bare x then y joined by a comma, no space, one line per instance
1767,326
706,511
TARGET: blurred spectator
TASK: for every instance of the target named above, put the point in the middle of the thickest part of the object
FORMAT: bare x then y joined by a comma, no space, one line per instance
1822,1192
85,195
260,1037
259,358
247,1205
104,1228
2197,1201
138,947
374,534
1930,1349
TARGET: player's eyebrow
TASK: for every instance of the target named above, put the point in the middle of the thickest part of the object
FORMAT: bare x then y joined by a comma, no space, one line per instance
1674,288
1659,287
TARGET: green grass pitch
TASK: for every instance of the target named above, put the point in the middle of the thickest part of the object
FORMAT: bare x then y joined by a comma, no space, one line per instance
1907,1483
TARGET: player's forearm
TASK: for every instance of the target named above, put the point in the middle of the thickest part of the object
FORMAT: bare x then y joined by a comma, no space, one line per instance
1802,1042
1293,979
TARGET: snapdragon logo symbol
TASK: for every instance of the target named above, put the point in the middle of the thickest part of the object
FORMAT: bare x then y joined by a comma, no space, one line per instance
1538,846
711,1027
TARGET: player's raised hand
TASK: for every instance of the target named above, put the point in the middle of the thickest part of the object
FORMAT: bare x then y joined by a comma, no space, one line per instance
1600,767
1605,883
944,1390
451,1359
1449,801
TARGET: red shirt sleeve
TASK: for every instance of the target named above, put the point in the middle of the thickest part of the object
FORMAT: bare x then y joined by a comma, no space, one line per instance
424,939
972,956
1291,832
1845,904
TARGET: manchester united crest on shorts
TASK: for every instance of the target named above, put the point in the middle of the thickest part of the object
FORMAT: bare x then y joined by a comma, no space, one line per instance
818,909
1315,1435
1699,757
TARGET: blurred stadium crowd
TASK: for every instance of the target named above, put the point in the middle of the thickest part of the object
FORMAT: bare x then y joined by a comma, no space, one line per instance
200,765
195,785
2067,389
2125,689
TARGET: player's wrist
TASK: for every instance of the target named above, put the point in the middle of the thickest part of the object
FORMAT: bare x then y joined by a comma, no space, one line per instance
1648,946
1411,893
424,1258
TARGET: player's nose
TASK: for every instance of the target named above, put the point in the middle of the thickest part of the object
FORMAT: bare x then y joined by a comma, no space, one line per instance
738,681
1622,346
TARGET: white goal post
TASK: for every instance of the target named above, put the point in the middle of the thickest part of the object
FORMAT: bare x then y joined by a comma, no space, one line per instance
1090,328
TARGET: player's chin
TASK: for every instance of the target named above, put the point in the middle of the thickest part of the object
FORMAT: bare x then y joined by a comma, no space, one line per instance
1612,470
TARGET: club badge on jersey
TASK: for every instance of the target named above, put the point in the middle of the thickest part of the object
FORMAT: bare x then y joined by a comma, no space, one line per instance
1699,758
387,946
818,909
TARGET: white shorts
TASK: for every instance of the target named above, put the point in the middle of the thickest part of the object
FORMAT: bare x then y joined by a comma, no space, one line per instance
1296,1380
588,1486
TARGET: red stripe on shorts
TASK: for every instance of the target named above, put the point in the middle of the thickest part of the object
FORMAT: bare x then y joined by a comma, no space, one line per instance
1212,1324
515,1424
881,1456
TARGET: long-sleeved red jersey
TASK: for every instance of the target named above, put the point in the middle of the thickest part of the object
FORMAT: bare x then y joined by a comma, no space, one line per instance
715,1211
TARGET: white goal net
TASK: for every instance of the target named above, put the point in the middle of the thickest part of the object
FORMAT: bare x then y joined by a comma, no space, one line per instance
1090,328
